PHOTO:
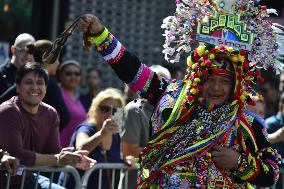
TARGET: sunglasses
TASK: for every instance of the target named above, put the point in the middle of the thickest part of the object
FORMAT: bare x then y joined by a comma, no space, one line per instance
105,109
68,73
21,50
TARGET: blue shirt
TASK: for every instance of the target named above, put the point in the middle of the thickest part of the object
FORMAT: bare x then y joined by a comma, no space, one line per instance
112,156
272,124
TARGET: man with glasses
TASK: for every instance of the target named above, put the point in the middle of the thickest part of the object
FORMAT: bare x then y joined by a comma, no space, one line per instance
7,72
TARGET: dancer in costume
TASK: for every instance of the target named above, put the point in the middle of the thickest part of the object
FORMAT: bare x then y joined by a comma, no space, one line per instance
202,135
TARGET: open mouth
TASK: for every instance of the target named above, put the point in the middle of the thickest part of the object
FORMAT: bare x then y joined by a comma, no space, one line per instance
34,94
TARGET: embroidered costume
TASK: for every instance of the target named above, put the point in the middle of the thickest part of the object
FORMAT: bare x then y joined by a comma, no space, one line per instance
238,40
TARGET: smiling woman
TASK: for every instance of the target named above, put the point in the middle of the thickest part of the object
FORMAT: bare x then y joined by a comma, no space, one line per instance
69,75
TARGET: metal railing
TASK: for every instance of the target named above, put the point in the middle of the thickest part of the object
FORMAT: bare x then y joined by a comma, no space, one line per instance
105,166
47,169
82,182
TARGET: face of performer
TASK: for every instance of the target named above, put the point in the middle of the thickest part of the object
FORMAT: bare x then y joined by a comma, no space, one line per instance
217,88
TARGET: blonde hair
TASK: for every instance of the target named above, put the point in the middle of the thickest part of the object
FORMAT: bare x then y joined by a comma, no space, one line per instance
109,93
258,98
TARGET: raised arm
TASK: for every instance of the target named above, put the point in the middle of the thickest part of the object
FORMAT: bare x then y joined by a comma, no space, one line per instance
128,68
86,139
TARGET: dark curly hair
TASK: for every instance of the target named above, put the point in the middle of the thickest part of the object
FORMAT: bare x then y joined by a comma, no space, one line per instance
31,67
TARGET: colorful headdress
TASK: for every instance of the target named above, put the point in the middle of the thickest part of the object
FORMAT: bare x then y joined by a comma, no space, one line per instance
206,59
240,24
238,30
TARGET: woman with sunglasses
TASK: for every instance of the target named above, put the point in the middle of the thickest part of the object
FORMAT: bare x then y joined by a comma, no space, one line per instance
100,135
69,75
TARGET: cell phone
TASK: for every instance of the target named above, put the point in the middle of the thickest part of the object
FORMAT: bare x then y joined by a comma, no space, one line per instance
117,116
20,170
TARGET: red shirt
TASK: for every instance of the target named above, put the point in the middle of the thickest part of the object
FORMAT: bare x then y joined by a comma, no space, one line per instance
23,134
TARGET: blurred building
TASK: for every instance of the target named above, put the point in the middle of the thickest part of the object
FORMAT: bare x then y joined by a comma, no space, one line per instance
44,19
136,23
